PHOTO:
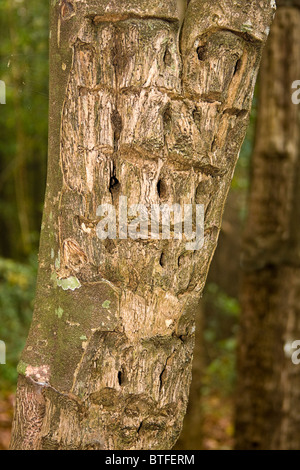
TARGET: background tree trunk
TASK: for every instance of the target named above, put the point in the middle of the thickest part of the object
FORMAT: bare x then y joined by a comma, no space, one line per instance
139,113
267,405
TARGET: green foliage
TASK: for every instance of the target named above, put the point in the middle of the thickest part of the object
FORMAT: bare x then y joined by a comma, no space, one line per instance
220,341
226,306
23,123
17,287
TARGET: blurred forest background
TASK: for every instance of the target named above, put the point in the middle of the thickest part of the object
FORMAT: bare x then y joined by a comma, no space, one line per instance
23,160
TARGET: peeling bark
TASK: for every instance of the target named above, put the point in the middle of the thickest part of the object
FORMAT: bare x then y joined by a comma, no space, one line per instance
149,100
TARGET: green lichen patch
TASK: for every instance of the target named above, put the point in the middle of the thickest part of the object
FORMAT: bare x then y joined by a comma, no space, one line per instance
71,283
59,312
247,27
106,304
21,368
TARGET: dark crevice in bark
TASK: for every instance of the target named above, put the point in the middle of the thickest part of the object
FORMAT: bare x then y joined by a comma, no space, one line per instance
163,260
162,189
182,338
140,427
180,260
114,183
201,52
122,376
161,379
167,59
237,67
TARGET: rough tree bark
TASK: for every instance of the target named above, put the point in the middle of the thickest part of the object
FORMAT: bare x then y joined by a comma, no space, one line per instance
267,411
191,434
145,108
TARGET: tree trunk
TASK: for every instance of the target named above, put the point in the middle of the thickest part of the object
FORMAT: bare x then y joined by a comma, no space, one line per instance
268,397
191,436
142,108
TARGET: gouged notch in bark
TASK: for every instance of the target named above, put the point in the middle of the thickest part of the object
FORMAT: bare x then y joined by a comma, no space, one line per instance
132,115
122,17
67,10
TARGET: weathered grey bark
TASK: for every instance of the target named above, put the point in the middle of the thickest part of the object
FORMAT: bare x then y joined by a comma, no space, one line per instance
268,397
135,111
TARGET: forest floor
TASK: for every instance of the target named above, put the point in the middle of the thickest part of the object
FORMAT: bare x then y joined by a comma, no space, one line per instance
217,422
218,427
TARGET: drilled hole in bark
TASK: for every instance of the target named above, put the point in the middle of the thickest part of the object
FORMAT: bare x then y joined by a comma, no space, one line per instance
163,260
121,377
162,189
237,66
201,52
167,58
114,184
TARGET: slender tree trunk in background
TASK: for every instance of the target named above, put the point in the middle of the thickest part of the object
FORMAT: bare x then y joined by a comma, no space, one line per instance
135,112
268,397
